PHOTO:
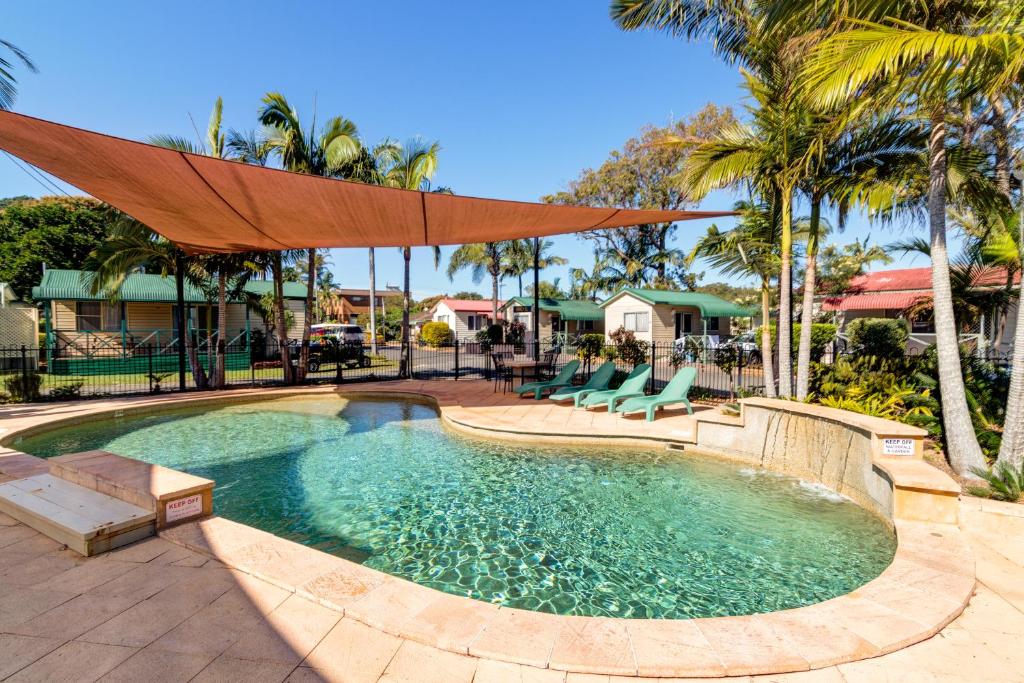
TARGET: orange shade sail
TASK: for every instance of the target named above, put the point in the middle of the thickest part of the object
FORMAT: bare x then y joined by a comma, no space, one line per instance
209,205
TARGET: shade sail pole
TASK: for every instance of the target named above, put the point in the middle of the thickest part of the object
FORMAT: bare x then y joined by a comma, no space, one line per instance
536,298
179,284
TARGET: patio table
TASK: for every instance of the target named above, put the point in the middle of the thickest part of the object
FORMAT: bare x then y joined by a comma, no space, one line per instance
522,364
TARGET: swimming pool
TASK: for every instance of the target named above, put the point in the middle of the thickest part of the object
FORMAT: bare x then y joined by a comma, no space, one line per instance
586,531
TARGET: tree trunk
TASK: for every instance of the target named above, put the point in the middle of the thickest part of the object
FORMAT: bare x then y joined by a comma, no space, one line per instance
767,357
373,304
495,283
961,443
404,370
198,373
786,298
209,337
279,319
307,319
219,378
1001,142
1011,450
803,360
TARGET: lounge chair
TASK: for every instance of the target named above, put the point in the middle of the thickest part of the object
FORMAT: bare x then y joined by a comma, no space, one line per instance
561,380
674,392
598,382
631,387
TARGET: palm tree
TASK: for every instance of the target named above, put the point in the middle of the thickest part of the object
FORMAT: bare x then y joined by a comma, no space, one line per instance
927,56
131,246
8,83
749,249
484,258
323,153
415,165
518,258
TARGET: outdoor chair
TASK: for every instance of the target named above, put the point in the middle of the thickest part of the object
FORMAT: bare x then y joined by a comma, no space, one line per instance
563,379
675,391
502,373
632,387
598,382
546,367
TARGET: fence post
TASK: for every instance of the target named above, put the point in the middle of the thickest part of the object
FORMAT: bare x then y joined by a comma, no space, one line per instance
149,356
337,361
456,358
654,367
24,373
739,368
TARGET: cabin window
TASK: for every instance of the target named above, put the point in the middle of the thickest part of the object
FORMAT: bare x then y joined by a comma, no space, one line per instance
637,322
96,316
585,325
922,324
687,323
442,319
712,324
473,322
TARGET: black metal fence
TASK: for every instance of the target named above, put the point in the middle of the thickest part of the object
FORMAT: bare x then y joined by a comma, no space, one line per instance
64,373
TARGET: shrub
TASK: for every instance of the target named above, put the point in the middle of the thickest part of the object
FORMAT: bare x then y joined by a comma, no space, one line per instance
879,337
822,334
1004,482
515,332
436,334
630,349
23,386
489,337
67,391
589,346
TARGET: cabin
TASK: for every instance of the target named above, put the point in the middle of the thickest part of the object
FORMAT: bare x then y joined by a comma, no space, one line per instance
559,319
662,316
83,326
889,293
465,317
352,303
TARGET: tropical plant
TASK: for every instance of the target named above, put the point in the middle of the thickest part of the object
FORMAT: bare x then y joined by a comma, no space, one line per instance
892,56
412,169
518,258
630,349
749,249
485,258
822,335
588,346
327,152
8,83
1005,482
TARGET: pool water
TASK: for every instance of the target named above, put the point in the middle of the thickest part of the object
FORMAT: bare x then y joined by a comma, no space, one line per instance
585,531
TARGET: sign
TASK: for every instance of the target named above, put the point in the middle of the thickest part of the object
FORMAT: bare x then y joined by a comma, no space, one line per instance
182,508
897,446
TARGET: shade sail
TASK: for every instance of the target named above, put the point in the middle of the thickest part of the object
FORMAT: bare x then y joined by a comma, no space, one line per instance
212,205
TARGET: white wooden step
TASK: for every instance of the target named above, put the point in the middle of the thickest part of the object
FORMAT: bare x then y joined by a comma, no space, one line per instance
86,521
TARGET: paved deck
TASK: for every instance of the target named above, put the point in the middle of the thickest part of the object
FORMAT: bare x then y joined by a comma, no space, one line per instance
159,610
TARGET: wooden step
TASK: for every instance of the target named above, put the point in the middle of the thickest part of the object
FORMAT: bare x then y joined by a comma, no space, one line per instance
87,521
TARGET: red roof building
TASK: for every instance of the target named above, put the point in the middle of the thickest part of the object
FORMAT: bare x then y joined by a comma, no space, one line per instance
899,288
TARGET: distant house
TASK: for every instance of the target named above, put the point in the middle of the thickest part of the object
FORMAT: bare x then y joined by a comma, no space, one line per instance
889,293
355,302
662,316
19,327
465,317
557,316
79,323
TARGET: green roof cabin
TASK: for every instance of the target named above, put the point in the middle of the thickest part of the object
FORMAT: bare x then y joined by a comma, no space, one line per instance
560,319
663,316
90,334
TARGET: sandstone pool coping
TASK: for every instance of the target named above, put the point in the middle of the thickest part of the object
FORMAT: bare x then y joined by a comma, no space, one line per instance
928,584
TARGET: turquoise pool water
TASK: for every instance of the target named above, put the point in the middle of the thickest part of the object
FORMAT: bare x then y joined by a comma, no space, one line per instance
616,532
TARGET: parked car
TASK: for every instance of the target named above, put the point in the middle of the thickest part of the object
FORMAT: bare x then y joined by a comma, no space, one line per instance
343,333
746,343
329,350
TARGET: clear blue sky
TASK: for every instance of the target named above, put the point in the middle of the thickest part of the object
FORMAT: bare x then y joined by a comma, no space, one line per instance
521,96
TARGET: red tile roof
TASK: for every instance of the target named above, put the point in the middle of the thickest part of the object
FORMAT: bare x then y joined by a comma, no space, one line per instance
899,288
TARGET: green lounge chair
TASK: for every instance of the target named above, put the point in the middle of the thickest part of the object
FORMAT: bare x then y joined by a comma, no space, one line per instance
562,379
598,382
632,386
674,392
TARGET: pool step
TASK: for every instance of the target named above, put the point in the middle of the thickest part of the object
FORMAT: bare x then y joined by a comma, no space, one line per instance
173,496
87,521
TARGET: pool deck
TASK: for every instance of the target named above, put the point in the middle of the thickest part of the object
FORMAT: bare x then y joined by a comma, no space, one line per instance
214,600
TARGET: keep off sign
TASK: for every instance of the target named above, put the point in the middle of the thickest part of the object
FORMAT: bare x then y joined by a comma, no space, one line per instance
182,508
897,446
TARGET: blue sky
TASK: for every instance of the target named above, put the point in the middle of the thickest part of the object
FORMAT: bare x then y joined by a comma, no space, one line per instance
521,96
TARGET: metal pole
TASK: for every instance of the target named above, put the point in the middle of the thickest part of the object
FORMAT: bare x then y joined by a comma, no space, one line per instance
179,283
536,298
